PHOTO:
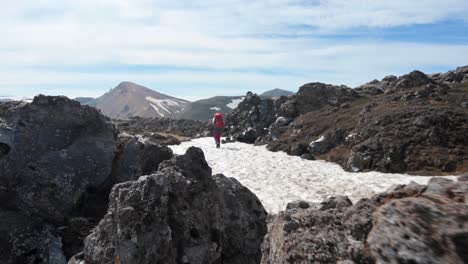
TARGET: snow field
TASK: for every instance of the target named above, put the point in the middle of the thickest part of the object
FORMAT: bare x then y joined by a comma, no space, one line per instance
277,178
235,102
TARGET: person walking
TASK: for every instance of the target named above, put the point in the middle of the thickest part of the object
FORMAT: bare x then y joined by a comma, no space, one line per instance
218,124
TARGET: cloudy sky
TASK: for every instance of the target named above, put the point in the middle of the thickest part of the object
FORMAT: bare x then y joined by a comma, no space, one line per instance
196,49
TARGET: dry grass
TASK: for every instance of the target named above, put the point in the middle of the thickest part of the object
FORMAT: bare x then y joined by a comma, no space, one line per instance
178,137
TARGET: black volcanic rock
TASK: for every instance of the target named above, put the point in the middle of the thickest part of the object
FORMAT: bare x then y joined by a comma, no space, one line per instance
390,142
251,118
181,214
28,242
412,79
459,75
58,163
54,152
314,96
136,157
54,157
408,224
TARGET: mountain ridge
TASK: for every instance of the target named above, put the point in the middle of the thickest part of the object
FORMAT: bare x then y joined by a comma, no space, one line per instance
129,99
205,108
276,92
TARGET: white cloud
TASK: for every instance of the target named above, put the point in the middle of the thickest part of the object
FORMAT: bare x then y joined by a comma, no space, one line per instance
221,35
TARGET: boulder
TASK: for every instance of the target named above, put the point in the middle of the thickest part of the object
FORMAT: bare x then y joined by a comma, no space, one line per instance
420,230
412,79
54,150
314,96
408,224
298,205
278,127
287,108
249,136
252,117
458,75
298,149
137,156
326,142
304,234
180,214
28,241
307,156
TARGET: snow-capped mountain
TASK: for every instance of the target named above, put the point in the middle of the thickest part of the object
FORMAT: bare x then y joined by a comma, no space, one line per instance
204,109
129,99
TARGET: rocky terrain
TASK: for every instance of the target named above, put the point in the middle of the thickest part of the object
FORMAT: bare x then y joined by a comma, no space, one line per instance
58,163
408,224
76,188
180,214
179,128
414,123
60,168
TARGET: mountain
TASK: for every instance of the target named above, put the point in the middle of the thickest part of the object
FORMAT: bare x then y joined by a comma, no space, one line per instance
129,99
204,109
276,93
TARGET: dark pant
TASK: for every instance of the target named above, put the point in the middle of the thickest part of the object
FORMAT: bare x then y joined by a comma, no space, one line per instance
217,135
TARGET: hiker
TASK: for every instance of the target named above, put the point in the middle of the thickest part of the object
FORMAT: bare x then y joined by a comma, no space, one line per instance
218,124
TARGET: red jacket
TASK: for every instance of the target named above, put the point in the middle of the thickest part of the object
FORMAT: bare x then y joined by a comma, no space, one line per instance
218,121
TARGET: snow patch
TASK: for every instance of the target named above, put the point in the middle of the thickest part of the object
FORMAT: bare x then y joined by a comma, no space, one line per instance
322,138
277,178
235,102
215,108
163,104
157,109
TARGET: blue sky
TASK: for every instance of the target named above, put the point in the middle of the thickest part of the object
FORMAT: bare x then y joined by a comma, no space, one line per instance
199,49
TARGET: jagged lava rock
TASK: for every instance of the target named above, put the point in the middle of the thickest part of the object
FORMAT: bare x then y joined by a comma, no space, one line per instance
58,150
459,75
137,156
313,96
408,224
28,242
181,214
251,118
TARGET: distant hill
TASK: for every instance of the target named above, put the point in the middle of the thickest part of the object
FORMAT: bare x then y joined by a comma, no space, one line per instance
86,101
4,98
129,99
205,109
276,92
